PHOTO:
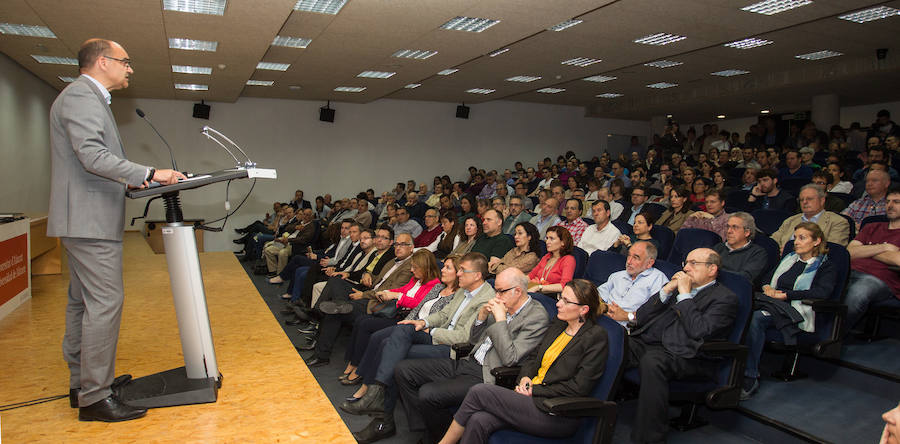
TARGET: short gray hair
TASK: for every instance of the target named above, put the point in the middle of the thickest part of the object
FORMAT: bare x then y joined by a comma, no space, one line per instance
748,222
516,278
820,190
652,251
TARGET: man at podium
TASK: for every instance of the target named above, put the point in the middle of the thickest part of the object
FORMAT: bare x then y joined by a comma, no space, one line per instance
89,176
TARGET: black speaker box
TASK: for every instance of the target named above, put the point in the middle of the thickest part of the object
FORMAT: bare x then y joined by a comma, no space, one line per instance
462,112
326,114
201,111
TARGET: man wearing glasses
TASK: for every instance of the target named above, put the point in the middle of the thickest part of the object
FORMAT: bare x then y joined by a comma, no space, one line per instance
625,291
639,196
666,333
516,216
432,229
87,211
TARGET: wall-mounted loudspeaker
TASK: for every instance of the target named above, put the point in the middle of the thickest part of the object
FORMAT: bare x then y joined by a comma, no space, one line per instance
201,110
326,114
462,112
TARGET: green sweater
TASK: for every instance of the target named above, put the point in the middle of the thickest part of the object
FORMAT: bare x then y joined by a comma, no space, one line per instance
496,246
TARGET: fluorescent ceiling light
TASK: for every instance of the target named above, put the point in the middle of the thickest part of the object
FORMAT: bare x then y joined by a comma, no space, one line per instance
498,52
413,85
765,111
599,79
661,85
192,87
273,66
819,55
609,95
193,45
291,42
566,24
260,82
321,6
660,39
663,64
184,69
55,60
419,54
352,89
67,79
26,30
376,74
480,91
523,79
769,7
752,42
551,90
469,24
447,72
211,7
868,15
720,116
730,72
580,61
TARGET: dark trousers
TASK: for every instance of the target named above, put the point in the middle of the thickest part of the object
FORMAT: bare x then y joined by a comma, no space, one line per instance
363,330
373,356
330,328
488,408
292,265
257,227
657,367
432,388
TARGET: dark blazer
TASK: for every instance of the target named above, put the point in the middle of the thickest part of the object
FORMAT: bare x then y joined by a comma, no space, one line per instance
388,256
682,327
577,368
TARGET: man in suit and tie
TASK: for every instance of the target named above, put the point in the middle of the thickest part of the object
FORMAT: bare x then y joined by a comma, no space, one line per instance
668,330
89,176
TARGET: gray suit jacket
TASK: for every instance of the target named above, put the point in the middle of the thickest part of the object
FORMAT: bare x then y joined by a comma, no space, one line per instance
88,171
512,341
440,321
834,226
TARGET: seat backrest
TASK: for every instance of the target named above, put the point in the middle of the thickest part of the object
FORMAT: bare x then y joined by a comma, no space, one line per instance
548,303
588,220
623,226
668,268
689,239
542,246
852,225
654,208
793,185
601,264
608,384
870,219
374,219
744,291
768,221
581,259
772,251
665,237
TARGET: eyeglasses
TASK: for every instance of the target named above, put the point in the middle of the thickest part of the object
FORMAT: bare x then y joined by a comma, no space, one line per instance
504,291
403,244
560,298
735,227
694,263
467,271
125,61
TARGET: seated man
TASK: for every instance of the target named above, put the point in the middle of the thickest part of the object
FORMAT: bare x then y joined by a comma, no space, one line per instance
639,197
505,331
432,229
794,168
715,218
767,196
667,332
738,254
517,214
812,207
493,243
573,221
602,234
873,202
547,217
363,216
405,225
873,254
626,290
415,207
615,208
279,250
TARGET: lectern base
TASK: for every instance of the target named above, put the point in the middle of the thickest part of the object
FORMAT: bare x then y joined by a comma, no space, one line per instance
168,388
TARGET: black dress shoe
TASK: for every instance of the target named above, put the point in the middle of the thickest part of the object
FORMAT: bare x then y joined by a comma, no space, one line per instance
333,308
307,345
378,429
372,403
294,321
241,240
110,409
355,381
317,362
73,397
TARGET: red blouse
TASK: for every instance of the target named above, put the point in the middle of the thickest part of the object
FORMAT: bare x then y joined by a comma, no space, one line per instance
561,273
411,301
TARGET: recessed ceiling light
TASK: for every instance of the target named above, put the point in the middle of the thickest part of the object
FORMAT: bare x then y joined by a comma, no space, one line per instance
765,111
480,91
524,79
413,85
663,64
260,82
192,87
566,24
498,52
609,95
551,90
376,74
752,42
55,60
184,69
67,79
352,89
27,30
769,7
447,72
193,45
273,66
662,85
660,39
321,6
818,55
580,61
599,79
469,24
730,72
668,116
419,54
211,7
868,15
295,87
720,116
291,42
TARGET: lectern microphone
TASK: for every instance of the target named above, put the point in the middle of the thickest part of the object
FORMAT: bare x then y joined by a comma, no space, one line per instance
141,114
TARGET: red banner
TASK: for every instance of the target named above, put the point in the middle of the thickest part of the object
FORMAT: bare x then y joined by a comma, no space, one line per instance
13,267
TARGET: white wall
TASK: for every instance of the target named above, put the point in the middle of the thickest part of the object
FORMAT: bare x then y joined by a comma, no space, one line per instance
865,114
25,142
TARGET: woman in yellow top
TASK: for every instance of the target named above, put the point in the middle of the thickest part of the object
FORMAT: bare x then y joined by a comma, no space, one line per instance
568,362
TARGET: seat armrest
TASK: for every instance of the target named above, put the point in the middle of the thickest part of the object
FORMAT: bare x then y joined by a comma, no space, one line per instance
825,306
462,349
500,372
720,348
566,406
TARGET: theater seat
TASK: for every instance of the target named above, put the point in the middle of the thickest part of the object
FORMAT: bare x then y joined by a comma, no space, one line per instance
581,259
769,221
689,239
665,237
668,268
601,264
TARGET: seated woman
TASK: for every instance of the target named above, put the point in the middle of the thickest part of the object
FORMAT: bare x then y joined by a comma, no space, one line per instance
568,363
557,267
472,230
524,255
675,216
643,223
481,206
390,215
466,207
719,178
449,239
407,298
698,196
804,274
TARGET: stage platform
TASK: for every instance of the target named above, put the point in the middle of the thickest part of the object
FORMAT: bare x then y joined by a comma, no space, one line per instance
268,393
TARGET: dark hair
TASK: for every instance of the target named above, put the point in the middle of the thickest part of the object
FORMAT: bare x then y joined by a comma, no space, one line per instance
648,216
425,260
716,192
829,179
586,293
603,202
471,200
682,192
462,230
446,245
478,261
387,228
368,230
534,245
565,237
90,51
580,204
767,172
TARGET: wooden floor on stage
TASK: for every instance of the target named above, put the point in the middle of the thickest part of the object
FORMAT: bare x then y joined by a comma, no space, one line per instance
268,394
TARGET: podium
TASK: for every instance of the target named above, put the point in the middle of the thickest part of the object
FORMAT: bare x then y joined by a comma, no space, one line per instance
199,379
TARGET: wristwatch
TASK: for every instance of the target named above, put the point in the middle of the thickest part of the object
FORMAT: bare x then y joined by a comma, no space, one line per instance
630,316
150,174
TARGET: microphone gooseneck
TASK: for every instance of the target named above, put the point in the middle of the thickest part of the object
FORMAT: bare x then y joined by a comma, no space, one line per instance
141,114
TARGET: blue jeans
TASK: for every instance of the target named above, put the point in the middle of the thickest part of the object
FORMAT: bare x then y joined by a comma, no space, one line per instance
863,290
755,341
297,283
